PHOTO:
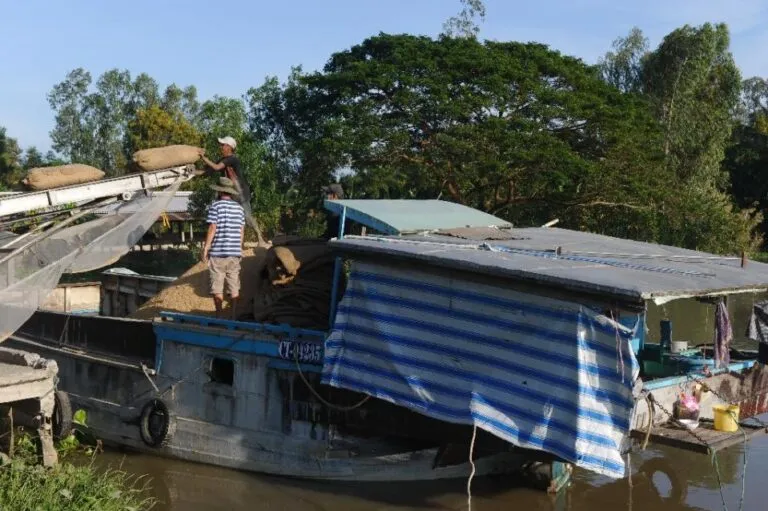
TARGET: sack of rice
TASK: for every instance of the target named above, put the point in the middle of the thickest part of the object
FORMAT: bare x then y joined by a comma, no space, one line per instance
44,178
166,157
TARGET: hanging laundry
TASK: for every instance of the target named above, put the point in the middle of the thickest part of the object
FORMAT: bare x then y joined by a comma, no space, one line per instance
723,335
757,329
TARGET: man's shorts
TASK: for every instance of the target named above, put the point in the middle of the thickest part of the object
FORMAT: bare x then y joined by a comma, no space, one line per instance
224,270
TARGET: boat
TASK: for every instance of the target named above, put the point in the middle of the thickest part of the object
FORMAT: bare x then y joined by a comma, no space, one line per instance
459,345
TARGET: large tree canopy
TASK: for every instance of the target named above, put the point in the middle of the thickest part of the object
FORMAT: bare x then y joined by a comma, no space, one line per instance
515,129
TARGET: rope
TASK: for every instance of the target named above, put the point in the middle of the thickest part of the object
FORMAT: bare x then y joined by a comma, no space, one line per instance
471,462
64,330
319,397
144,370
719,479
651,415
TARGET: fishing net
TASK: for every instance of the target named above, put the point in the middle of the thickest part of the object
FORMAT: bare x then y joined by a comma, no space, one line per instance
32,270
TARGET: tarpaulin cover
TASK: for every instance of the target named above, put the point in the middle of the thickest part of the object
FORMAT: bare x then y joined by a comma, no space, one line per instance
540,373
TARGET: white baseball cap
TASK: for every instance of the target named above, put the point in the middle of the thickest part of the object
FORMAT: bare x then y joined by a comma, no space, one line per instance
228,141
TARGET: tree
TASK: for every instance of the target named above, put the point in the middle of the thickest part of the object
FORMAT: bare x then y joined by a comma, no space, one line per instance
10,161
416,117
514,129
92,126
33,158
155,127
694,85
463,24
754,100
623,66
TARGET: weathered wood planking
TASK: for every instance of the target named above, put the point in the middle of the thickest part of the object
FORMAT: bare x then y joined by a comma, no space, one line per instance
676,436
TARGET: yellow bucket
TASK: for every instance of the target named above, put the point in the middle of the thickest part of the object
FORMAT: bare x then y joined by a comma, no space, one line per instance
726,417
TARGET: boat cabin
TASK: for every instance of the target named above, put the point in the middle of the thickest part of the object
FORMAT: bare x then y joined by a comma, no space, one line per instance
537,335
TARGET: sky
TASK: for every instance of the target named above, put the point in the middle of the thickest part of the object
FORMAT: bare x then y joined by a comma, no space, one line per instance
224,48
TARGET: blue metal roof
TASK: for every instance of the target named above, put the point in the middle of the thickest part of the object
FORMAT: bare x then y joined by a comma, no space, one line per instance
411,216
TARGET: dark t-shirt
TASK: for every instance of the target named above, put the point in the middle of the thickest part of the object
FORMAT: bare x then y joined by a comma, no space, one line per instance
233,171
332,222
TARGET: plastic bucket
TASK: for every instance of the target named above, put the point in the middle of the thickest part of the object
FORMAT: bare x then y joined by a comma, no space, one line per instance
726,417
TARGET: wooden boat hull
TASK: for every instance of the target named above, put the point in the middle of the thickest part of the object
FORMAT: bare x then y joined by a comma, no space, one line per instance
262,420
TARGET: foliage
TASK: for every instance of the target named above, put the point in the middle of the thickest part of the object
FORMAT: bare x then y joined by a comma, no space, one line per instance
92,127
10,154
692,83
623,66
14,162
155,127
456,118
24,484
694,86
463,24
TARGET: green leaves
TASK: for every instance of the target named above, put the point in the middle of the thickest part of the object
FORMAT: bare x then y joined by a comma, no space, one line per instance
92,123
694,86
493,125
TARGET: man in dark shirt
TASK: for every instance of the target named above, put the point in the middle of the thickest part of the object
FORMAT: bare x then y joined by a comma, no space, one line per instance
229,166
333,192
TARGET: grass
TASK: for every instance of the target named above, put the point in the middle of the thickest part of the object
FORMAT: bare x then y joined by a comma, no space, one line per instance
26,485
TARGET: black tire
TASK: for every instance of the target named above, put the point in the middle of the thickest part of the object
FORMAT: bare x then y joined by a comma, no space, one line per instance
157,423
61,419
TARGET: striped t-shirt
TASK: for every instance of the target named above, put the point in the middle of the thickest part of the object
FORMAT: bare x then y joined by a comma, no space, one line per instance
229,218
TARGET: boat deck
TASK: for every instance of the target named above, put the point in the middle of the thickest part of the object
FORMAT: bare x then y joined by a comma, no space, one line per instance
704,439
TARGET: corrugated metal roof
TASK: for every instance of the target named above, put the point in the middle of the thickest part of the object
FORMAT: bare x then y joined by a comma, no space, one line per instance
411,216
587,262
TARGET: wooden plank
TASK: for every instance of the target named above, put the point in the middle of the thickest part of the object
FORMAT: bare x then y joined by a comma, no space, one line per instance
676,436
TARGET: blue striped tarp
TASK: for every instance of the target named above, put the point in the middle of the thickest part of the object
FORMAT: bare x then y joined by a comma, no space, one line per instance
540,373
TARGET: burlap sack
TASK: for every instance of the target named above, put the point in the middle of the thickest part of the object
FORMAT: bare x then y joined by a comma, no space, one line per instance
165,157
44,178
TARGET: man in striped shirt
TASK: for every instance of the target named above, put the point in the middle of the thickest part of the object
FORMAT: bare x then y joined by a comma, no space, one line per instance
223,247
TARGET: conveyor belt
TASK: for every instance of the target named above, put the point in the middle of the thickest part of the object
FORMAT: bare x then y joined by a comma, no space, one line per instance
123,187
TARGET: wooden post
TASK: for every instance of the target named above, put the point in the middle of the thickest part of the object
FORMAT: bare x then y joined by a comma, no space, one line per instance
743,259
191,231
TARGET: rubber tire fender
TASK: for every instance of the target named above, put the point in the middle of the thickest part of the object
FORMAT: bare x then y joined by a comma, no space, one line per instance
157,423
62,418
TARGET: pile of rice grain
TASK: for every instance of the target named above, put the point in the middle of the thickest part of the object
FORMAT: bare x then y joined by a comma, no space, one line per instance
190,292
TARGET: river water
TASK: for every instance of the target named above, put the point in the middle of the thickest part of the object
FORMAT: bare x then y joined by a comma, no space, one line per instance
663,478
